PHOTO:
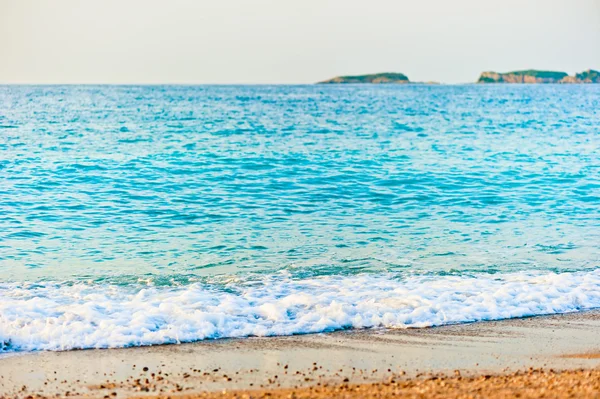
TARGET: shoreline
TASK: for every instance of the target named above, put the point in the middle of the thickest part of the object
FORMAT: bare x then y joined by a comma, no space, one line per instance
559,342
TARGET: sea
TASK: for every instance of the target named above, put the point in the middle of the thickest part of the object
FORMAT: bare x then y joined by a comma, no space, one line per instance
147,215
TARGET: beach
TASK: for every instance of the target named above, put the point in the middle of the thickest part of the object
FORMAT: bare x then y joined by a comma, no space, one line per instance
242,200
531,384
550,353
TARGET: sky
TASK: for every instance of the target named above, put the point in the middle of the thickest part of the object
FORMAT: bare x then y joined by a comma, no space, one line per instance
290,41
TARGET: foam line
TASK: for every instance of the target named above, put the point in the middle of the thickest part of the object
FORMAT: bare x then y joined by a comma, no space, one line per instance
55,316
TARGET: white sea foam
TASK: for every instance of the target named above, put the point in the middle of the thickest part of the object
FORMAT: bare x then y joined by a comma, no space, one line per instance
60,316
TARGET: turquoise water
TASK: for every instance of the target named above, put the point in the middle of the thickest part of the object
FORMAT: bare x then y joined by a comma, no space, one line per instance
220,188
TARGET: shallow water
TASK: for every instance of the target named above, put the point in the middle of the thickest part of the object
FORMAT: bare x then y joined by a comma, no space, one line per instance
220,200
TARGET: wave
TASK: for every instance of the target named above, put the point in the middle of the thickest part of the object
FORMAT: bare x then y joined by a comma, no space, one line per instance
63,316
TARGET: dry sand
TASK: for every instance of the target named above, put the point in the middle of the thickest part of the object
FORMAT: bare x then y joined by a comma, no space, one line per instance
353,364
530,384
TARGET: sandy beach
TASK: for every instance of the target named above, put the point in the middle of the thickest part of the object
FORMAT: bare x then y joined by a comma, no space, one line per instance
530,384
265,199
554,353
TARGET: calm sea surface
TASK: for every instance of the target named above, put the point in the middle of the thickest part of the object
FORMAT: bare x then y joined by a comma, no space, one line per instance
134,215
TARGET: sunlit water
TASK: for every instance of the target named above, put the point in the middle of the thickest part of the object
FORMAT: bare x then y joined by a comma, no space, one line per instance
159,214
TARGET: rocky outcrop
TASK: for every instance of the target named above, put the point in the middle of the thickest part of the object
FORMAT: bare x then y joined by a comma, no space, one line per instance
589,76
535,76
380,78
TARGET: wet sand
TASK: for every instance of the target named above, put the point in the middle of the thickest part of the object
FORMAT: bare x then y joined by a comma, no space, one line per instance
350,363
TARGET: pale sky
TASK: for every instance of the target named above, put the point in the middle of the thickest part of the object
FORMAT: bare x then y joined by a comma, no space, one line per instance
290,41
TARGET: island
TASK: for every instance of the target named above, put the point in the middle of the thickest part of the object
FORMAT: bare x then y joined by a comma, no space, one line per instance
378,78
589,76
536,76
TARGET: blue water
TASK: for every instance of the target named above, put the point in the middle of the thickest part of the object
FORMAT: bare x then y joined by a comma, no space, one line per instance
171,186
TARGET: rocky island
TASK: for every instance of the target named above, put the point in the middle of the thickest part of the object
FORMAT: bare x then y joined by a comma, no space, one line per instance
385,77
524,76
536,76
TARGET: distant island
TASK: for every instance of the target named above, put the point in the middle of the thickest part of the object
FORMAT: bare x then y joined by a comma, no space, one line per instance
381,78
535,76
525,76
